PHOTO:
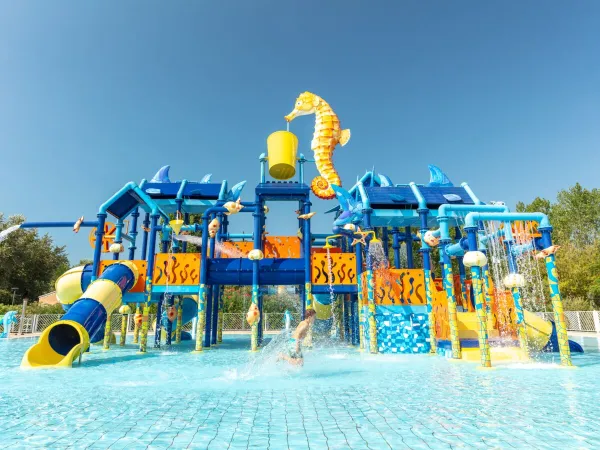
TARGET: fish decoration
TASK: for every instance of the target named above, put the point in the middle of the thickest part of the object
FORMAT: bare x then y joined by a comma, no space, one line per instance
206,178
328,134
547,251
299,233
266,209
306,216
351,209
298,212
213,227
233,207
78,224
253,315
350,227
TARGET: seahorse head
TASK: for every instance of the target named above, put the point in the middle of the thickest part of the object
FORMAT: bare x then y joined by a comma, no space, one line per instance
306,103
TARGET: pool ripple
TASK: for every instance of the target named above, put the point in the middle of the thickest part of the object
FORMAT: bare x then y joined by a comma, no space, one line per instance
229,398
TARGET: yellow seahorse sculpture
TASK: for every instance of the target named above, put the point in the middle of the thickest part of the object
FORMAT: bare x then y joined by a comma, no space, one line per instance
328,134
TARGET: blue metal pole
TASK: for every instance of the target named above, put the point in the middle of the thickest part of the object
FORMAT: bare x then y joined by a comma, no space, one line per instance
98,247
255,338
410,263
306,245
133,233
210,301
146,224
396,247
386,242
118,236
148,289
186,220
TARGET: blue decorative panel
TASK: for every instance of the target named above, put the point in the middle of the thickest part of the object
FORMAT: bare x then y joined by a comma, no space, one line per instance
399,330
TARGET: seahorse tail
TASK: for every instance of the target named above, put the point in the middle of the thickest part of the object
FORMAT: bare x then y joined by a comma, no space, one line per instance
321,188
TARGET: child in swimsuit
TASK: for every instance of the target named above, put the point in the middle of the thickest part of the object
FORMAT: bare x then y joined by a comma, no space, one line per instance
294,348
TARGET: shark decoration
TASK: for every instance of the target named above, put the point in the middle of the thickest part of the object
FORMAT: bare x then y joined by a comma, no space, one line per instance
351,210
235,192
437,177
206,178
162,176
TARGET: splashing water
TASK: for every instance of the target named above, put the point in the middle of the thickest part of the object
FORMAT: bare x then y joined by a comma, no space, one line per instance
377,255
4,234
230,251
534,292
187,238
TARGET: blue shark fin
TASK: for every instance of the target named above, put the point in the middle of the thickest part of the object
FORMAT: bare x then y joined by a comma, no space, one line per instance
162,176
437,177
206,178
236,190
384,180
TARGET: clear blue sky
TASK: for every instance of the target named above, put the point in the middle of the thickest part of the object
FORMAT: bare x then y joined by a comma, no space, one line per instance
504,95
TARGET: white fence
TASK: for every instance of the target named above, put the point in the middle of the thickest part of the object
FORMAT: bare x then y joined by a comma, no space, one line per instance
579,320
36,323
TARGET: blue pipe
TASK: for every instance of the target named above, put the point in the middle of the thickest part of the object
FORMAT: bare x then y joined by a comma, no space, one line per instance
471,194
301,161
231,236
364,198
263,162
133,233
422,204
473,217
57,224
443,232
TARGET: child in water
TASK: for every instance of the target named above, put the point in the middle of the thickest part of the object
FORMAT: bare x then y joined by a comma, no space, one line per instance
294,348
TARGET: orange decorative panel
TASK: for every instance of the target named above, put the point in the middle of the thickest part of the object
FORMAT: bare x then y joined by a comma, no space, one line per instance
282,247
141,267
274,247
342,270
398,287
181,269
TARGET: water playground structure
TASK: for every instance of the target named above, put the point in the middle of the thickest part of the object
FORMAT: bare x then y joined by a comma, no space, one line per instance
471,306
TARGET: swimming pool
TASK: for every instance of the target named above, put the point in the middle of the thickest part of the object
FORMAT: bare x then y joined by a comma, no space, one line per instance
231,398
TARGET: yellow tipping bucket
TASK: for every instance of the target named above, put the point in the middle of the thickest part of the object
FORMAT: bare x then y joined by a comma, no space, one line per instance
281,148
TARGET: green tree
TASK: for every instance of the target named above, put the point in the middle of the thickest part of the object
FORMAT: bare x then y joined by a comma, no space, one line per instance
28,262
575,218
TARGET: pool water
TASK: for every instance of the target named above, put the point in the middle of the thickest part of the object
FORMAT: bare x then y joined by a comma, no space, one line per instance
341,398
